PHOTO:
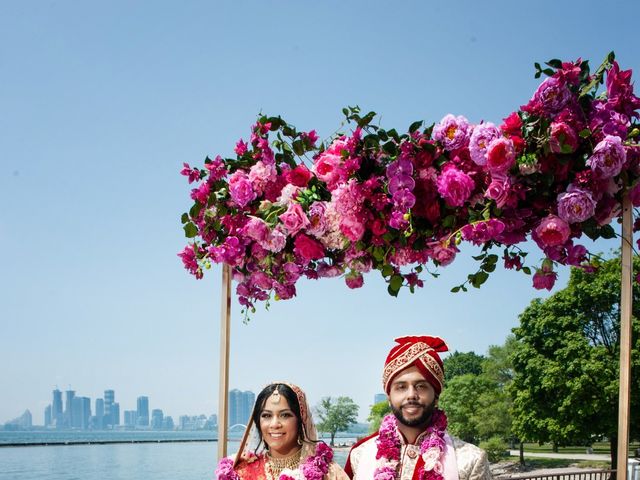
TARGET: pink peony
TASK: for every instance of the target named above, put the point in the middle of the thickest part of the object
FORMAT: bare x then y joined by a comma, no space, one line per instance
240,189
501,155
455,186
452,132
608,157
294,219
576,205
481,138
552,231
307,248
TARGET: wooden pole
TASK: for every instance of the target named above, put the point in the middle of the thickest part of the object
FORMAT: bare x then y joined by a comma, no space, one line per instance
626,302
225,326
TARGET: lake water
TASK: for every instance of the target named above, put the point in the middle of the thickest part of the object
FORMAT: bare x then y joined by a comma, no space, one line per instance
131,461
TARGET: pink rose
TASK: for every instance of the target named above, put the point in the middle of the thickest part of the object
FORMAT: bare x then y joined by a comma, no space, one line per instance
545,277
498,190
308,248
294,219
327,168
240,189
501,155
562,138
299,176
444,255
352,228
553,231
354,280
455,186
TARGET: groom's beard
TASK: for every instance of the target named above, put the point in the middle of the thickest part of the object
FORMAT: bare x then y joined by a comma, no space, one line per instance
422,418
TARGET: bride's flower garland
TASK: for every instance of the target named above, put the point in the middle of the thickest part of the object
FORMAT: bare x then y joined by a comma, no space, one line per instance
315,467
431,448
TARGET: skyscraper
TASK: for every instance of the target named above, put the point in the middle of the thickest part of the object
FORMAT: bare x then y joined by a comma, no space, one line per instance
143,411
47,416
157,417
109,398
115,414
68,408
240,405
56,409
99,418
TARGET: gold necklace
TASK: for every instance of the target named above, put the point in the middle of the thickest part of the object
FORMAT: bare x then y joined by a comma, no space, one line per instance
275,465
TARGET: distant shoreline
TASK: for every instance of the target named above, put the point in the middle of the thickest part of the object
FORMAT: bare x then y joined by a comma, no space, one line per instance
103,442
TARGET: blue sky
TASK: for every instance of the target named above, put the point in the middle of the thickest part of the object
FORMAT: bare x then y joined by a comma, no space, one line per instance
103,101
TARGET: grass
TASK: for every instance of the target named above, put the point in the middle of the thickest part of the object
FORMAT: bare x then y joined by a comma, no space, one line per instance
598,447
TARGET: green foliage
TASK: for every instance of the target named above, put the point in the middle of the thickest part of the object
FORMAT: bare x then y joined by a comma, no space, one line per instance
565,388
461,363
496,449
336,415
378,411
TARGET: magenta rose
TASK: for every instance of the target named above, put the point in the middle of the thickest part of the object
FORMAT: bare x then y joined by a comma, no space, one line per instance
443,255
499,190
240,189
294,219
562,138
299,176
308,248
455,186
545,277
354,280
553,231
576,205
501,155
352,228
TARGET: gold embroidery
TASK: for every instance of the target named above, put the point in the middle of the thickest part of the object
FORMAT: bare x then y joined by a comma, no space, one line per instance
407,357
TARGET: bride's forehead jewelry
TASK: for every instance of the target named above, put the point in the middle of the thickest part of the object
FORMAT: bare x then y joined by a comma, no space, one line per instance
275,396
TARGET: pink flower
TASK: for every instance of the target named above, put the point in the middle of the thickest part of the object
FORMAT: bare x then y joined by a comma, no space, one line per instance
311,137
216,168
190,260
192,173
294,219
553,231
501,155
317,222
327,168
354,280
444,255
452,132
608,157
481,138
262,173
256,229
562,138
201,194
241,148
299,176
307,248
634,194
455,186
276,241
352,228
545,277
576,205
499,190
240,189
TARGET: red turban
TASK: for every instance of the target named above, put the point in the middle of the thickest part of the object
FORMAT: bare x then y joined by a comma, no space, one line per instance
420,352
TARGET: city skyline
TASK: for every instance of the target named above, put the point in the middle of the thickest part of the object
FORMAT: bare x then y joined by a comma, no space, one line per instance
104,102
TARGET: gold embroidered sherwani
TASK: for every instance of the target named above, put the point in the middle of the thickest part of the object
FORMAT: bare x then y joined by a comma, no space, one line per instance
469,461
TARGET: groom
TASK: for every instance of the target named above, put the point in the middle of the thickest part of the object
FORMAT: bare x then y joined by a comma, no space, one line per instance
413,443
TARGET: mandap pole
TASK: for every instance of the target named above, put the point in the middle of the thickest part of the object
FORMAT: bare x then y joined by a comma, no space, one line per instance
626,301
225,324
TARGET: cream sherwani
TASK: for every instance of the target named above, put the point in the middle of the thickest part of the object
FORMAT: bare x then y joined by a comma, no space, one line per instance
463,461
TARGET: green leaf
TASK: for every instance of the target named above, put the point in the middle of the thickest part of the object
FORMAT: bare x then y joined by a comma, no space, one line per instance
526,270
555,63
584,133
390,148
415,126
392,292
455,289
607,231
184,218
479,278
493,258
387,271
396,282
190,230
298,147
382,134
479,257
489,267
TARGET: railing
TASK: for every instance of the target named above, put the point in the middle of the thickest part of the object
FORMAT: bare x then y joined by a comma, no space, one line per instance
575,475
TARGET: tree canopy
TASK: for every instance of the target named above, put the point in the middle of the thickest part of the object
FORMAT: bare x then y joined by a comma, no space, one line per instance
566,362
461,363
336,415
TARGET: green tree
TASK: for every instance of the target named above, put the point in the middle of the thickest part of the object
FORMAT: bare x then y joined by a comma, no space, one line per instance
461,363
336,415
460,400
378,411
565,388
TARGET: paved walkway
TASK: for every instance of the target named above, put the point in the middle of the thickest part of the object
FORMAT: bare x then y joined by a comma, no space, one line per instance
569,456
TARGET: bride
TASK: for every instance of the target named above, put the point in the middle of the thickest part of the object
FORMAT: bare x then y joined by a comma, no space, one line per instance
281,442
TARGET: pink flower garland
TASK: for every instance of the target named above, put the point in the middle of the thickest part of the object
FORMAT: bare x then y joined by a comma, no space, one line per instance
431,448
315,467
